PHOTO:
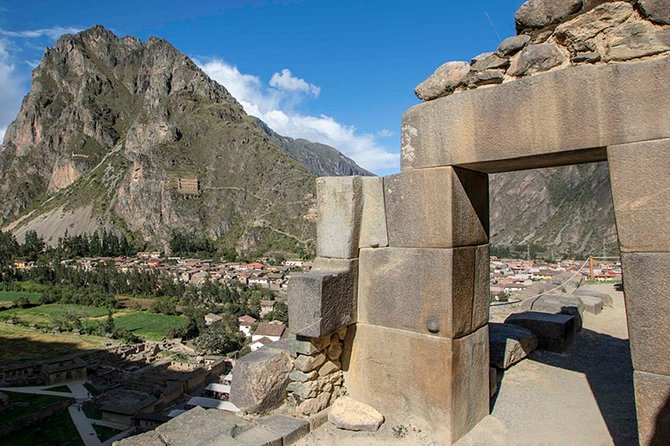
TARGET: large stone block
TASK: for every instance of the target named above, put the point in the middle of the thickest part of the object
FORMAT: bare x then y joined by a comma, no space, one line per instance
437,384
340,205
549,119
437,208
552,303
443,292
321,301
554,332
373,218
260,379
647,281
509,344
640,177
652,400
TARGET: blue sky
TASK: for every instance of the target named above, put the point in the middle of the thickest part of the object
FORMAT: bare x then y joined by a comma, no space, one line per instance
339,72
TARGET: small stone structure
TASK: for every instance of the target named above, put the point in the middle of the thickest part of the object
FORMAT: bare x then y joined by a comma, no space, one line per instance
403,260
188,186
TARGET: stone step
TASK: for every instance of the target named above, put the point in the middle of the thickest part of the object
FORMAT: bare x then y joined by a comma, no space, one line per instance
554,332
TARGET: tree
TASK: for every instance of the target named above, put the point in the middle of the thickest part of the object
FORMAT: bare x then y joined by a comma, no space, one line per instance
33,246
279,313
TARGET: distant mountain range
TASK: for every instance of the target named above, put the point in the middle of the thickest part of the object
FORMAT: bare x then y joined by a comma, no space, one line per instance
133,136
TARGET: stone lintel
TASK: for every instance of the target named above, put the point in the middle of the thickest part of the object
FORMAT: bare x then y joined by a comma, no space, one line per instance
558,112
437,292
437,384
647,282
321,301
443,207
640,177
652,399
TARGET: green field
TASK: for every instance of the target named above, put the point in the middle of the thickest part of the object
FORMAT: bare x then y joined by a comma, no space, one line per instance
18,344
150,326
58,430
12,296
44,315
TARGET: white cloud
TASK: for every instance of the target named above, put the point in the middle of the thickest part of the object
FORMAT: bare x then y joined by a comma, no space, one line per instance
3,130
286,81
11,88
52,33
275,104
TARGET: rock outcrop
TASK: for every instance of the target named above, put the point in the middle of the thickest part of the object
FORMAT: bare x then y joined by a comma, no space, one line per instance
138,133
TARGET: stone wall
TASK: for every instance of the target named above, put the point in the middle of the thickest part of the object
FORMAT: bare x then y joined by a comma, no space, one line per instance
317,379
560,34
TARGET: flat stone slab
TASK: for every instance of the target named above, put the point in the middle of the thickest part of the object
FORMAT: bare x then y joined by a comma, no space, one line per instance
606,298
347,413
554,332
509,344
288,428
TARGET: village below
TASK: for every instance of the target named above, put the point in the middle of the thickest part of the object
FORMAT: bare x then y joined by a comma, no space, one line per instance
98,348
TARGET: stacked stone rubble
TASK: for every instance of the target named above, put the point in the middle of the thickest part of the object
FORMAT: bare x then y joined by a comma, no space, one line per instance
317,379
559,34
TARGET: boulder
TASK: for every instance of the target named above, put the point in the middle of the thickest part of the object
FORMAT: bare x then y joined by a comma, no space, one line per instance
443,81
489,61
554,332
579,34
509,344
632,41
313,405
487,77
493,381
512,45
606,298
535,59
658,11
347,413
540,13
260,379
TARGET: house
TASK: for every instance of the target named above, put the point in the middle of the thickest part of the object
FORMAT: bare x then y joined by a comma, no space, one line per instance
217,391
246,322
211,318
271,330
62,371
294,263
146,421
262,342
267,306
119,406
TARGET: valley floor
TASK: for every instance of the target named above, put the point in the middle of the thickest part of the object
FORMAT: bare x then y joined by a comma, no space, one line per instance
584,396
